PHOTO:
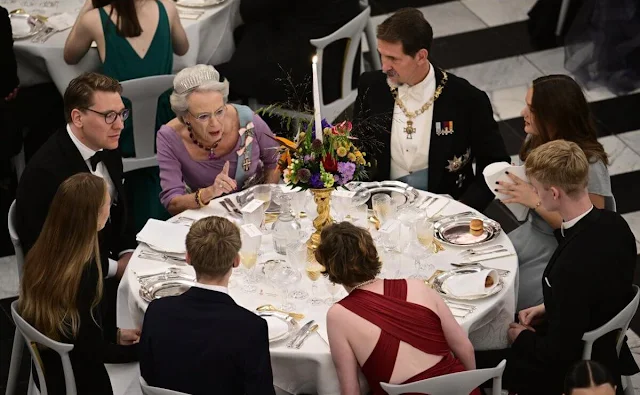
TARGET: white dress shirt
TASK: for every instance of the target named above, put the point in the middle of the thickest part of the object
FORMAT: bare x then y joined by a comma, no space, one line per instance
409,155
102,172
569,224
210,287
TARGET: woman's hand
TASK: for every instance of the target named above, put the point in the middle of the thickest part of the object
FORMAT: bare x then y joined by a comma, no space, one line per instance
520,191
223,183
532,315
514,331
127,337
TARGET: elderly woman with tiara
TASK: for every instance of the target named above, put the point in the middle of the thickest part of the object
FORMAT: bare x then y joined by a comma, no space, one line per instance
211,148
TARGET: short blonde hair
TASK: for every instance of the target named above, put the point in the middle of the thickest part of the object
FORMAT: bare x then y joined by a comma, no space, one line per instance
559,163
212,245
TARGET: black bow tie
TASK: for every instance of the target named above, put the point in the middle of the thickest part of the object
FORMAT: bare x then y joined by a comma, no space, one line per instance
97,158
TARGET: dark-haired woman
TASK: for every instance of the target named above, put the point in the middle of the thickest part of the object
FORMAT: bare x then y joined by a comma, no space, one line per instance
555,109
135,39
397,331
589,378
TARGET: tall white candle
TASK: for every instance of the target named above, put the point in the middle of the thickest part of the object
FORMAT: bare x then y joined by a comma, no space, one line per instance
316,99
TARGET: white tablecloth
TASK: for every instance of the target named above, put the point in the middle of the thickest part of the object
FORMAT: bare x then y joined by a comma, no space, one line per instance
310,369
210,42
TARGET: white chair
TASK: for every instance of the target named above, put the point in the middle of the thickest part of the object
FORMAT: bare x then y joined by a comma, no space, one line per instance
562,16
620,322
15,240
149,390
144,94
32,338
461,383
372,39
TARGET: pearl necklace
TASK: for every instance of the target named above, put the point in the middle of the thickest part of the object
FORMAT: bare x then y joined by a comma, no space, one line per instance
362,284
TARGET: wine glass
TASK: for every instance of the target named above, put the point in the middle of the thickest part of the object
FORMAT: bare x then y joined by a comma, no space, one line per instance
359,215
314,272
285,276
248,258
340,206
333,290
297,259
263,192
298,202
381,204
422,248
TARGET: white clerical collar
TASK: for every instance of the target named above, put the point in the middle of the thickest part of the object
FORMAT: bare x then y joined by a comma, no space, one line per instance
422,88
569,224
85,151
210,287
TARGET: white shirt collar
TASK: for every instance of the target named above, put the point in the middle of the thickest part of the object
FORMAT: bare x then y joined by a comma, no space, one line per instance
218,288
419,91
85,151
569,224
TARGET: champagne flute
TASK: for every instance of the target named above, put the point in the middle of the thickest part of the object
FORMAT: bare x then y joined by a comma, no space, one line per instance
381,204
297,258
422,249
314,272
333,291
249,258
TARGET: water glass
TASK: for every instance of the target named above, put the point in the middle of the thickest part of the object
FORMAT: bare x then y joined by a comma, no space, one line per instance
381,204
297,259
263,192
298,202
359,215
284,277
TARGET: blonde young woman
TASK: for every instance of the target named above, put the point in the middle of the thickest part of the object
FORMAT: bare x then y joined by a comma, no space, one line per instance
61,290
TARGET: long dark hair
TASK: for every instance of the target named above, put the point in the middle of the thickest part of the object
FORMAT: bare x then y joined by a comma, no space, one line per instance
127,24
587,374
561,112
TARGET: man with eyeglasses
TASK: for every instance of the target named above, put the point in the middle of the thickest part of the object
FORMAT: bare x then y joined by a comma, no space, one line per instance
95,116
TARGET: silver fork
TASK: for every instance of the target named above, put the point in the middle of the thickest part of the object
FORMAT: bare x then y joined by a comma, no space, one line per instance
481,249
484,252
48,35
41,33
229,211
233,206
150,255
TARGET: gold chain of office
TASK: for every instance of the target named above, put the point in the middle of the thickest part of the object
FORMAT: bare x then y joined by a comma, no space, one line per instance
410,130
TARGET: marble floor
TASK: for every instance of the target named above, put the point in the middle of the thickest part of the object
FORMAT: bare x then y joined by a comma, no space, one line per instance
487,42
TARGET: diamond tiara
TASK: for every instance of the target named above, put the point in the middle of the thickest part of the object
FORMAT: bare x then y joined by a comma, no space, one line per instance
196,79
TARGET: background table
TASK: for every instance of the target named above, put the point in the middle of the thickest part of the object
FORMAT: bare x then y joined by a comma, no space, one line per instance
310,369
210,42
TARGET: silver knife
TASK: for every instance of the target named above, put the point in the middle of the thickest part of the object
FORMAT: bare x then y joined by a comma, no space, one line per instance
300,332
302,338
233,206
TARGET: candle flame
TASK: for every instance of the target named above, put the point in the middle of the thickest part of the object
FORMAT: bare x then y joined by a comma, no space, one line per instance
314,59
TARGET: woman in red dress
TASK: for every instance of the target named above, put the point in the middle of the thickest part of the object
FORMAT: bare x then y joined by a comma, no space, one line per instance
397,331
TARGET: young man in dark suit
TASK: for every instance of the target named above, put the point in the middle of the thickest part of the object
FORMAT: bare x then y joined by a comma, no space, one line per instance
202,342
429,124
95,117
586,283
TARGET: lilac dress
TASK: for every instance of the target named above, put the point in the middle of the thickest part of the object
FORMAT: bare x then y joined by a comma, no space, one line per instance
178,171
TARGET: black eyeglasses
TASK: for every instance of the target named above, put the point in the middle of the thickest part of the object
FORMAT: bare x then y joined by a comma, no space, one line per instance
111,116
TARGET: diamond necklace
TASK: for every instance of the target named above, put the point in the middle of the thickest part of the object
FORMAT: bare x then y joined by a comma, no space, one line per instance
362,284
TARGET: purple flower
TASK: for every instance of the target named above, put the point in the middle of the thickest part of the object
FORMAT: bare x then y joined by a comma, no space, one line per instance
315,181
307,158
304,175
346,170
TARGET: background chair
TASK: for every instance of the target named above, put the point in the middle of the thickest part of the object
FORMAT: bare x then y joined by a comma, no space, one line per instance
372,40
144,94
13,234
564,8
620,322
452,384
32,338
149,390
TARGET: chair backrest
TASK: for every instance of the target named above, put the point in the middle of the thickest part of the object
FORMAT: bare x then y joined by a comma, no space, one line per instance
620,322
32,338
461,383
144,94
353,32
149,390
13,235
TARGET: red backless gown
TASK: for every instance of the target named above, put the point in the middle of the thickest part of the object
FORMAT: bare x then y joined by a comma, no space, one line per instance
400,320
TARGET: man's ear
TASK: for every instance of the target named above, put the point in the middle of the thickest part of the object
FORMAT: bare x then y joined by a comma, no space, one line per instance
556,192
422,56
76,118
188,258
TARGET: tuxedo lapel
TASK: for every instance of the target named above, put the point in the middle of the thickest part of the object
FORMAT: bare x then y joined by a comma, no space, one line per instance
439,146
70,153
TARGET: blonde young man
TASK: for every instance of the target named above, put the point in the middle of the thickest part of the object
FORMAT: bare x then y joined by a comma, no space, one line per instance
586,283
202,342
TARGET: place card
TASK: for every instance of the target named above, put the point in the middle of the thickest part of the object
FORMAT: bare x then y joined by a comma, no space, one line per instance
344,193
252,206
251,230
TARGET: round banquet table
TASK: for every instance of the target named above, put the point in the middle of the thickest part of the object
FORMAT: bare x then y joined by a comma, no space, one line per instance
210,42
310,369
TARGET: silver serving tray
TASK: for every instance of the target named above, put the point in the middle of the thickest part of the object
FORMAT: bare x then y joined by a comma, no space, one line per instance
35,24
244,197
400,192
167,287
439,280
284,317
205,3
454,231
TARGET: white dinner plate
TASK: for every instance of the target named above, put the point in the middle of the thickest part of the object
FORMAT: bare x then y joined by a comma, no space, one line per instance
199,3
24,26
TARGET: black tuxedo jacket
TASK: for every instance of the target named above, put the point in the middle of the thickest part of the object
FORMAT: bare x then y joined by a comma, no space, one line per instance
475,135
586,283
57,160
202,342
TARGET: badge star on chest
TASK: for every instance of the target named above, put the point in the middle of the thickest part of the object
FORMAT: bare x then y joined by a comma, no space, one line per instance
457,162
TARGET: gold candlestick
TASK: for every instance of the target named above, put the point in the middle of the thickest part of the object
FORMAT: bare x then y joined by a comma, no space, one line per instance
322,197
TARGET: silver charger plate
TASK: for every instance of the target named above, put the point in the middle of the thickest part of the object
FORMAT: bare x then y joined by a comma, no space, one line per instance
166,287
204,3
402,194
26,22
454,231
439,280
244,197
284,317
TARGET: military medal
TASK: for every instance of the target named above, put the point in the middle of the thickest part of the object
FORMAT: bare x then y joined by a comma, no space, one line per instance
246,164
409,129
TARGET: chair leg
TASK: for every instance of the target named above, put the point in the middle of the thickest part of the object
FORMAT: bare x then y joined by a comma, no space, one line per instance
562,16
16,361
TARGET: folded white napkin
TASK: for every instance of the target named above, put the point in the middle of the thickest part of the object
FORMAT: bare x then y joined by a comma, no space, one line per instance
193,2
496,172
276,327
62,21
20,26
471,284
164,236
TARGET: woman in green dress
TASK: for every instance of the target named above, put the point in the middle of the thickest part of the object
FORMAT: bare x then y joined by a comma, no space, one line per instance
135,39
